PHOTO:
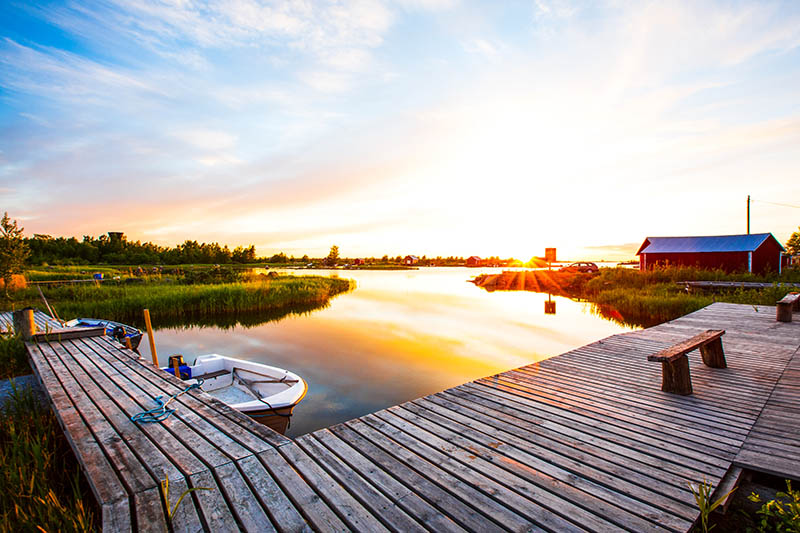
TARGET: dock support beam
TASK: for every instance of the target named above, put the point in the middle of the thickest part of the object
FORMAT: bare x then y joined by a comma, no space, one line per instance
24,323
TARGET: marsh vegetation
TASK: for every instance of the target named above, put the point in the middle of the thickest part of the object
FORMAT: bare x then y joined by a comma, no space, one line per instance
643,299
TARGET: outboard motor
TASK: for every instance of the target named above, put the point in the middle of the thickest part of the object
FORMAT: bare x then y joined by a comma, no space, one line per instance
176,361
119,333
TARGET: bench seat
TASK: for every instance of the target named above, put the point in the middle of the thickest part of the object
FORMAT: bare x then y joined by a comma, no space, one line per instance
675,377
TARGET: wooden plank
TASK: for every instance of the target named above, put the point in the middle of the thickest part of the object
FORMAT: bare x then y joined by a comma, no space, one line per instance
400,494
244,504
644,441
390,515
447,505
504,504
574,487
282,511
598,476
591,447
314,509
62,334
728,485
109,490
349,510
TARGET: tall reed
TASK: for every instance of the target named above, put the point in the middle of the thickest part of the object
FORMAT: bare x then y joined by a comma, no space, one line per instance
173,301
41,488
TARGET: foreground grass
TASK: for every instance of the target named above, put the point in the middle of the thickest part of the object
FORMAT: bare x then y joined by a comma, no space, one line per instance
13,357
175,302
40,482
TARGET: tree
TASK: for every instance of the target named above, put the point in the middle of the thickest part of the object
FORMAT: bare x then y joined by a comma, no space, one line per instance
13,250
333,256
793,244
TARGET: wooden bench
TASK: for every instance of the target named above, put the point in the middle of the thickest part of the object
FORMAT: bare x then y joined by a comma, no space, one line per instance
675,377
785,306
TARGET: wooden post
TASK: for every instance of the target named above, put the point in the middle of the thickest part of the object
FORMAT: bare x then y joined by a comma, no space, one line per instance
150,336
784,312
24,323
176,367
128,344
713,355
675,377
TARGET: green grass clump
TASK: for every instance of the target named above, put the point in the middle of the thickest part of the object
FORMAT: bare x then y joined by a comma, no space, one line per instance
180,302
640,308
40,482
13,357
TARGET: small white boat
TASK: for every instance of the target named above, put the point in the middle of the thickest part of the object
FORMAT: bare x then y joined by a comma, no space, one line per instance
265,393
118,330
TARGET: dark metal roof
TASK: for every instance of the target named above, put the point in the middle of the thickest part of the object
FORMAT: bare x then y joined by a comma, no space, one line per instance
717,243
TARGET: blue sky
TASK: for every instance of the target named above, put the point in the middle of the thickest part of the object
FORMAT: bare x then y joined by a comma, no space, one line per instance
433,127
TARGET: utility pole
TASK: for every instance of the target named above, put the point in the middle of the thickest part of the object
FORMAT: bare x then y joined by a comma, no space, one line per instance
748,214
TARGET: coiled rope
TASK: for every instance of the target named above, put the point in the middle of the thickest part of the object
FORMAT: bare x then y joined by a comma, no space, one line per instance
161,412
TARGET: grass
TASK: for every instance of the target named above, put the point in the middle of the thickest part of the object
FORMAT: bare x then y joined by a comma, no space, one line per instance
652,297
41,488
181,303
13,357
644,299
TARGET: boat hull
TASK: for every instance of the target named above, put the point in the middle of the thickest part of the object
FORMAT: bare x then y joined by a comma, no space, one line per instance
117,330
275,419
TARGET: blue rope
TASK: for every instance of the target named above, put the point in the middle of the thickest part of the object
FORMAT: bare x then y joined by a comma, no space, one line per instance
157,414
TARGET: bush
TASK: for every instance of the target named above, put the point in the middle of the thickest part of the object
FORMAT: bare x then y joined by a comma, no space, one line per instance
781,514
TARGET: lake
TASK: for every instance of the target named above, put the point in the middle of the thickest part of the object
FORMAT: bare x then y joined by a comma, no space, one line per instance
399,335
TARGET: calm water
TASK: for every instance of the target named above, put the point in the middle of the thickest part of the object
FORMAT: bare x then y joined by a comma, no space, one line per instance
398,336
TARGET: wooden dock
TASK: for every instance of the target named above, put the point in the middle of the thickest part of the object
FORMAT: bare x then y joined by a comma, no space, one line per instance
736,285
584,441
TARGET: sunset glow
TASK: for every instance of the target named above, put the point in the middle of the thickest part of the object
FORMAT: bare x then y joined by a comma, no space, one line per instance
433,127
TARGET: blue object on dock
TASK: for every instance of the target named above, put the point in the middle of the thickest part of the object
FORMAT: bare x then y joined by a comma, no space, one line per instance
185,370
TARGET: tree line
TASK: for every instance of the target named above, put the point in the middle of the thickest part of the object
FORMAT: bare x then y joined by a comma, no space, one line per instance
116,249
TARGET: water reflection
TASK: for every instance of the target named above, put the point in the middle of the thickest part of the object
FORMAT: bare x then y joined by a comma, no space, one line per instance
398,336
550,305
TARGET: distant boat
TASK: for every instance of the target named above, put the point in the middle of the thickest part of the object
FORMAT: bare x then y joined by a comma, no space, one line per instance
117,330
264,393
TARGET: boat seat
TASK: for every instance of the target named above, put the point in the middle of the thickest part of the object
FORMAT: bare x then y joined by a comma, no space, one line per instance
212,375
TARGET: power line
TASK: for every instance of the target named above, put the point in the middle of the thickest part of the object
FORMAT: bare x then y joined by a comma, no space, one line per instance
774,203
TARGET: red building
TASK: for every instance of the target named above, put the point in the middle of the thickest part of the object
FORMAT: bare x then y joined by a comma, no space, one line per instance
474,261
756,253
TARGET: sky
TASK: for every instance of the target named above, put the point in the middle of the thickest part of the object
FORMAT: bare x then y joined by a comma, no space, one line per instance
426,127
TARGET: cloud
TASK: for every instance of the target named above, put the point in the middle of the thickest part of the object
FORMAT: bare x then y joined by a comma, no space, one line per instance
206,139
481,47
55,74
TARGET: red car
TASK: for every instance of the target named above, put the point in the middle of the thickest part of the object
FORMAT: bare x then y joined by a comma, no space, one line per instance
580,267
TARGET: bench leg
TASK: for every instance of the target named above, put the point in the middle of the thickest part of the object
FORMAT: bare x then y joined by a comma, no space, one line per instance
713,355
675,376
784,312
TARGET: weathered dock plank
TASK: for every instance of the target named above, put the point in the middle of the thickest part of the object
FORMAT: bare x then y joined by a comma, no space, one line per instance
584,441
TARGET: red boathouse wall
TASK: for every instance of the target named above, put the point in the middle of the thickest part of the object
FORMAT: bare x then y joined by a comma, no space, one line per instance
727,261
